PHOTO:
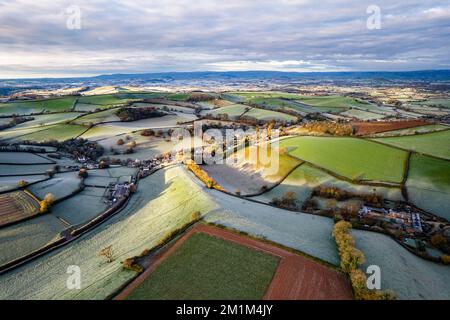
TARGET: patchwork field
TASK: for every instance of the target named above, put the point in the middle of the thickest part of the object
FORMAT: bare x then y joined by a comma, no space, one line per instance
61,185
103,131
355,159
438,103
81,208
250,172
99,117
163,202
39,106
428,184
228,271
409,276
412,131
7,170
12,182
102,100
24,237
362,115
304,232
46,120
305,178
435,143
58,132
267,115
23,158
233,267
366,128
15,206
233,111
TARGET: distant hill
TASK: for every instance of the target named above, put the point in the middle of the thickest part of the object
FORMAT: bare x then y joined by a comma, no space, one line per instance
378,78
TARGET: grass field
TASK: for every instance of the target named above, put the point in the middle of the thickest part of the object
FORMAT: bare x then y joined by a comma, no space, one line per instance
267,115
355,159
304,179
38,106
435,143
60,132
81,208
21,170
97,117
233,111
408,275
22,158
439,103
205,267
164,202
248,172
331,102
428,184
27,236
11,182
105,100
47,119
61,185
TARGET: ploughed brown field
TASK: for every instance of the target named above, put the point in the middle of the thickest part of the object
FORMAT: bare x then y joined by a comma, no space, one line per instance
296,277
364,128
15,206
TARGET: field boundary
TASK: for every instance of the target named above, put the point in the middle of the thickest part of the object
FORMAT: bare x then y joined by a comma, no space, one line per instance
279,287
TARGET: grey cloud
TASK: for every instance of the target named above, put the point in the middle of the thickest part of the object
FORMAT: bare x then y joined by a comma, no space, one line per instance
181,35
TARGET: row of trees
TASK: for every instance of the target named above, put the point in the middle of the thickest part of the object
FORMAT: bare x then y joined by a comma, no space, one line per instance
351,259
329,127
340,194
202,175
134,114
15,121
287,200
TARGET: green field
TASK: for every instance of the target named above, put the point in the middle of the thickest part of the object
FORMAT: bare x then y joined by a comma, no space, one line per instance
98,117
58,132
48,119
435,143
331,101
38,106
428,184
233,111
267,115
105,100
305,178
355,159
205,267
439,103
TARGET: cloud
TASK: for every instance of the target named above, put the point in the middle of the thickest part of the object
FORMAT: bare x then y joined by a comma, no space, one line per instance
183,35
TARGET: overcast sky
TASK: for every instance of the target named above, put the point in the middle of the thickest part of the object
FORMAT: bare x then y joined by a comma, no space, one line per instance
193,35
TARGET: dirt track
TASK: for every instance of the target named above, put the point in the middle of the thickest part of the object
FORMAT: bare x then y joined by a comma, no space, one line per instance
296,278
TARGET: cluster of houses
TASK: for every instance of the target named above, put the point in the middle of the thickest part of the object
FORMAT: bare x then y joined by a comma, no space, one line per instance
402,220
121,190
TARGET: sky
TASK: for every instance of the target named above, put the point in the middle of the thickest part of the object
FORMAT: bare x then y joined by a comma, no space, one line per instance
54,38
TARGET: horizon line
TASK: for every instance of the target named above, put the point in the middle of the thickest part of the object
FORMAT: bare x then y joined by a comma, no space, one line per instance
217,71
